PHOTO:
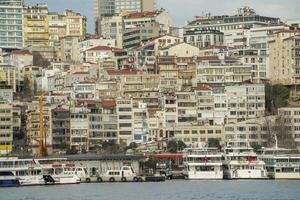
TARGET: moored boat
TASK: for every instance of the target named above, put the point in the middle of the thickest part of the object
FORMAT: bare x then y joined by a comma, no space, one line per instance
203,163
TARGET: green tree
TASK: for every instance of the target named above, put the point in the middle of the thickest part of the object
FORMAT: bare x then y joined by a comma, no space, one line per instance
40,61
175,146
277,96
256,147
214,143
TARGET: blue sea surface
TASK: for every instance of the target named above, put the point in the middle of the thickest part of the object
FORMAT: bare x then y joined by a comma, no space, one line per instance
173,190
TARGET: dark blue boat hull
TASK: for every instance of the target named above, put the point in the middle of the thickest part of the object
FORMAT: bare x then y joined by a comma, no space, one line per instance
9,183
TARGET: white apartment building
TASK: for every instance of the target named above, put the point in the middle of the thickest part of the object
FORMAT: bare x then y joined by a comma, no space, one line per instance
222,69
140,123
125,120
79,127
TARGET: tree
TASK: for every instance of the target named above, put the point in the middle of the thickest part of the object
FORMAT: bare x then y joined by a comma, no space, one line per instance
39,60
276,97
174,146
214,143
256,147
280,131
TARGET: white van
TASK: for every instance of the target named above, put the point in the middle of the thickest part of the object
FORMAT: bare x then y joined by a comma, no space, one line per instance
125,174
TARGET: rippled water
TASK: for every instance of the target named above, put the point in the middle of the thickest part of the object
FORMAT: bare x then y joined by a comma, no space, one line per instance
173,190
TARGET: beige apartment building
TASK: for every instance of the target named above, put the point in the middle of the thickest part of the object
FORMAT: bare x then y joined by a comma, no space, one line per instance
285,59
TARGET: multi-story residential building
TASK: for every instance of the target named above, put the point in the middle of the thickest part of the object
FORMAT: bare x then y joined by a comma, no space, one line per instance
237,38
6,127
169,73
255,131
110,8
36,26
60,122
33,127
181,50
6,93
285,59
133,37
70,51
125,120
103,123
197,136
79,128
222,69
140,123
161,17
19,59
101,53
8,75
112,27
75,24
203,38
291,117
186,108
256,59
11,26
245,18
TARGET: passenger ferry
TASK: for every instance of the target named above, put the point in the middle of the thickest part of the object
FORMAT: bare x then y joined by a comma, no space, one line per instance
24,170
241,162
8,179
281,163
203,163
29,172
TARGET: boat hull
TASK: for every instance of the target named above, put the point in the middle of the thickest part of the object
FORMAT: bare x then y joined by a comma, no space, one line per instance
9,183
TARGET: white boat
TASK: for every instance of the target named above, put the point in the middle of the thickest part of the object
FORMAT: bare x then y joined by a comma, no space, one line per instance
26,171
281,163
203,163
59,171
241,162
30,172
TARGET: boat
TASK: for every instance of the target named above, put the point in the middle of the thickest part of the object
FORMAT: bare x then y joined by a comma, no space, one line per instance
8,179
26,171
59,171
241,162
281,163
31,172
203,163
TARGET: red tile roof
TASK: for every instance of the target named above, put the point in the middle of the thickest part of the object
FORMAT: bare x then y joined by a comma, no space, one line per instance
104,48
108,103
21,52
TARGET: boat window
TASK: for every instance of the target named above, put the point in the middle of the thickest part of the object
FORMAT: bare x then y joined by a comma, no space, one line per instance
58,171
278,170
6,173
125,168
287,169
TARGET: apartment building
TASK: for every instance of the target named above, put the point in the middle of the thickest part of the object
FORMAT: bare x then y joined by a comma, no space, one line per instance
103,123
36,26
125,120
222,69
285,60
75,24
79,128
291,117
256,59
110,8
113,27
133,37
245,18
33,127
140,123
202,38
60,121
11,26
6,127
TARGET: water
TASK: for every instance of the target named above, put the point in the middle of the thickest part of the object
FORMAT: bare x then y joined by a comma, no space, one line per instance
170,190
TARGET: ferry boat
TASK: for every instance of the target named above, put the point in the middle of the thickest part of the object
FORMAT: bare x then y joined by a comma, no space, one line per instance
281,163
241,162
24,170
8,179
30,172
203,163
